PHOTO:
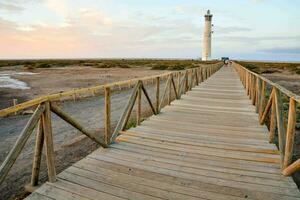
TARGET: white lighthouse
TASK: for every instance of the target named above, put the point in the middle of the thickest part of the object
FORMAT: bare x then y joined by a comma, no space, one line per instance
206,49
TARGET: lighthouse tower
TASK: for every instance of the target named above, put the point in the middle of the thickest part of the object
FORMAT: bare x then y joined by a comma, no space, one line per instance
206,51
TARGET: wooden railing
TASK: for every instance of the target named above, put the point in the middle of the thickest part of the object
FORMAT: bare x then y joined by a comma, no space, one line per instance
272,109
44,106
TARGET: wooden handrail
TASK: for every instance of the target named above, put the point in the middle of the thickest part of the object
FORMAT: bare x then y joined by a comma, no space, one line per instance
271,83
255,86
57,96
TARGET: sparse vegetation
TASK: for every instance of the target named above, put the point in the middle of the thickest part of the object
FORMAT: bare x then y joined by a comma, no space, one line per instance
271,67
154,64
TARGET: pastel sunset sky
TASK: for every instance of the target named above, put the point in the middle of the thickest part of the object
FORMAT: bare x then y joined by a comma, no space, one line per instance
243,29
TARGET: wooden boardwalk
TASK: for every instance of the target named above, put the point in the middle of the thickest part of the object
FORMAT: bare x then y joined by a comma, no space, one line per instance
207,145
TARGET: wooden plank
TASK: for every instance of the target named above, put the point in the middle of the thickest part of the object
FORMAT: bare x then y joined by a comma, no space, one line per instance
115,184
175,138
215,184
168,190
201,134
181,167
238,167
37,196
193,157
93,189
206,151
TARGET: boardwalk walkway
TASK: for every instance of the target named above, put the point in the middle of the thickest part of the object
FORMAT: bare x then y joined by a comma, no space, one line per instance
207,145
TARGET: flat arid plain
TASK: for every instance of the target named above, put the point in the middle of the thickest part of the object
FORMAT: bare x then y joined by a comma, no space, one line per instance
27,79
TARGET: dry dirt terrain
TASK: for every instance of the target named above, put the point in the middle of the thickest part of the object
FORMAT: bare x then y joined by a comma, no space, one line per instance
53,80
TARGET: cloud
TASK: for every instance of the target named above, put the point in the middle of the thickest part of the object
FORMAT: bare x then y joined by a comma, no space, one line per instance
281,50
256,1
9,7
57,6
221,30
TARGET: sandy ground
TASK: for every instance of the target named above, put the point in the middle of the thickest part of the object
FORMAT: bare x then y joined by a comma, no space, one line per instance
70,145
287,80
53,80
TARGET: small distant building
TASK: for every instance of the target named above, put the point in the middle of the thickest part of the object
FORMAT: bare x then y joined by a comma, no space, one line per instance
224,58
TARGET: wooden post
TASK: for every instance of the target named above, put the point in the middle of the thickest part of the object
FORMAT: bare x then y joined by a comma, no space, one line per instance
191,80
15,102
186,81
39,141
74,96
174,87
258,94
262,98
178,83
157,94
251,87
272,121
253,90
139,105
170,90
201,75
247,85
280,126
197,76
47,129
290,133
107,127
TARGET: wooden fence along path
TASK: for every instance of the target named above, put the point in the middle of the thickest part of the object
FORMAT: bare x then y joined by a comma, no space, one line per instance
208,144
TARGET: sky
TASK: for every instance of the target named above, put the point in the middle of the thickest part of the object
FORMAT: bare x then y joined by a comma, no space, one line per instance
243,29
